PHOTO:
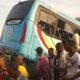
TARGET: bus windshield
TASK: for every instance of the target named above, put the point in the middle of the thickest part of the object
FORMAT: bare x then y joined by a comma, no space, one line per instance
19,12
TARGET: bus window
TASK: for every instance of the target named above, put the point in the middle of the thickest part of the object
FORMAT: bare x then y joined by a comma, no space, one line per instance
47,22
57,34
14,21
19,12
60,29
47,28
63,34
69,28
64,30
60,24
51,19
43,16
44,26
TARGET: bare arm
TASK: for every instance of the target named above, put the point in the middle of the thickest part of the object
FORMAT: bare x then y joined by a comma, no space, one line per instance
77,74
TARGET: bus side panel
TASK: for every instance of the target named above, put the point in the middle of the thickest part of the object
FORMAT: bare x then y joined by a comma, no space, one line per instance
31,39
31,42
24,47
32,48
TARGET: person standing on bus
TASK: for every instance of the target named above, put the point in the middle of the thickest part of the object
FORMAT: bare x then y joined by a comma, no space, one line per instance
60,62
51,62
76,38
42,66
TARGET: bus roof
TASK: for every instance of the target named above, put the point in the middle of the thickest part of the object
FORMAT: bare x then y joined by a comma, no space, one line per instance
47,5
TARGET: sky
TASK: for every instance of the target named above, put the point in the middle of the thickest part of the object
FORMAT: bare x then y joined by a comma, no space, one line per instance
68,7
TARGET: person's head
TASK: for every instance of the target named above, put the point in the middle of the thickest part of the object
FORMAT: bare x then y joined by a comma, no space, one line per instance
71,47
13,57
51,52
59,47
39,51
2,61
20,59
65,43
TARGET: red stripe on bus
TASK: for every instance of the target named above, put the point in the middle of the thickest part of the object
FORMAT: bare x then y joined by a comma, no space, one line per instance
23,34
41,37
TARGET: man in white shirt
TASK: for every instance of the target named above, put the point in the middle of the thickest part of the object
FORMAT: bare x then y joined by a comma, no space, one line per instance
73,64
61,60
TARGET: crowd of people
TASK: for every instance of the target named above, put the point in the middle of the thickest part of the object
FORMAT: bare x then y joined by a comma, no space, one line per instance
14,69
65,65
